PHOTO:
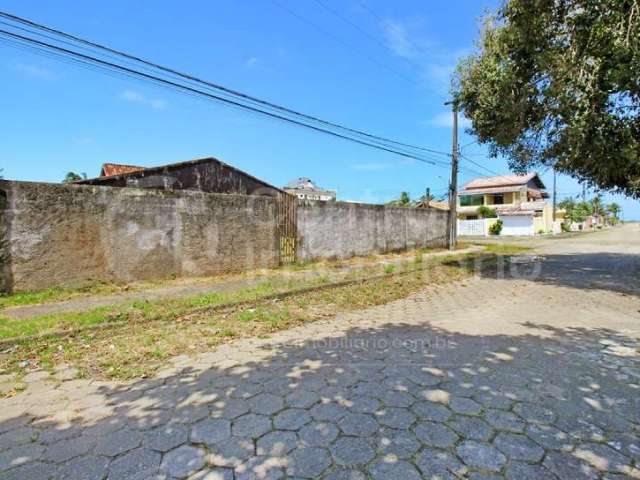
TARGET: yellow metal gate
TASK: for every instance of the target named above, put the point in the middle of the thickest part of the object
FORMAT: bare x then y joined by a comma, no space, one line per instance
287,227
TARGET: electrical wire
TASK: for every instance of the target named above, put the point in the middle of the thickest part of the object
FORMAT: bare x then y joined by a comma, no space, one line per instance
192,78
88,59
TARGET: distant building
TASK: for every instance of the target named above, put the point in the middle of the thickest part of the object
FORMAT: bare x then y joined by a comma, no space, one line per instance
205,174
305,189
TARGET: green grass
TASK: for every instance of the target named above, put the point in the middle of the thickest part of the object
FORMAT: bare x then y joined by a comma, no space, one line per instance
272,318
12,328
146,310
55,294
168,309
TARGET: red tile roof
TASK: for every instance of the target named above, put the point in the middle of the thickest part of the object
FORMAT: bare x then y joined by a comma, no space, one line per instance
110,169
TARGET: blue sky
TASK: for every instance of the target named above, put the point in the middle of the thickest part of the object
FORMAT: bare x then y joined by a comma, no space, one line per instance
391,80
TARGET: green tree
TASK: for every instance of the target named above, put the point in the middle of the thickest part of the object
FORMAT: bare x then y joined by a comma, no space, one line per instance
558,83
403,201
576,211
71,177
615,210
486,212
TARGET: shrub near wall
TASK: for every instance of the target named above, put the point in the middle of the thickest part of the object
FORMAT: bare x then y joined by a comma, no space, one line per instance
70,235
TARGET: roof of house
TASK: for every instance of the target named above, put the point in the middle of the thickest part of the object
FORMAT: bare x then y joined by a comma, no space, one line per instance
173,166
503,181
302,183
433,204
110,169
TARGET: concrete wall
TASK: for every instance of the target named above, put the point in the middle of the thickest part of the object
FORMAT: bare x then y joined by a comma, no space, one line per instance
70,235
342,230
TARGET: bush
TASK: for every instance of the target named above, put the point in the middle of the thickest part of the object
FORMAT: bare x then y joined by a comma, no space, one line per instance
496,228
565,227
486,212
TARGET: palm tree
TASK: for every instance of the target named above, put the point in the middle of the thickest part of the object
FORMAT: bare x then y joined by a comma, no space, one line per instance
614,209
596,203
403,201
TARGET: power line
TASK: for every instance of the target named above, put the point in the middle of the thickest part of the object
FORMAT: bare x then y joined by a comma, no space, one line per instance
467,144
103,63
492,172
480,165
197,80
93,62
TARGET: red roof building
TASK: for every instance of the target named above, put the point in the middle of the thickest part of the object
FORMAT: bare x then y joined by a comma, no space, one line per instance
111,169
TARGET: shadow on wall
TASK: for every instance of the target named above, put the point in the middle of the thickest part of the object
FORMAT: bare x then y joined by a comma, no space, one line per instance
394,400
6,274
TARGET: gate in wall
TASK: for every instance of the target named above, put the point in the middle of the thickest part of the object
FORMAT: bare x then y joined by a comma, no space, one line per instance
287,227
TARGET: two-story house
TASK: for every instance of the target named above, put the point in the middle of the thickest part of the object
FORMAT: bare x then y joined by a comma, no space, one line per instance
518,200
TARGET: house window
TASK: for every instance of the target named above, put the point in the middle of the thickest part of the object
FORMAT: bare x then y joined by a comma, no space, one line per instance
498,199
471,200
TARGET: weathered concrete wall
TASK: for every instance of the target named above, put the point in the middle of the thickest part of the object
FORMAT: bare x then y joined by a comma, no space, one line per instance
342,230
70,235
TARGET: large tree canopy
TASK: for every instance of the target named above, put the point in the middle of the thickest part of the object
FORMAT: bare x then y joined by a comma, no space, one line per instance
557,82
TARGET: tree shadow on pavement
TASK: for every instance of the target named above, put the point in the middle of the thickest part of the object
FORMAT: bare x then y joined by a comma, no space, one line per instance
615,272
396,401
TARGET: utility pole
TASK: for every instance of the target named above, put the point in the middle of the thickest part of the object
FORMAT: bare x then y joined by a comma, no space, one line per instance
428,197
584,193
453,184
554,194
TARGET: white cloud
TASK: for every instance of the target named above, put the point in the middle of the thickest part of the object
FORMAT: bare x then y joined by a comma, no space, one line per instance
370,167
136,97
434,61
367,195
34,71
82,140
445,120
397,37
251,62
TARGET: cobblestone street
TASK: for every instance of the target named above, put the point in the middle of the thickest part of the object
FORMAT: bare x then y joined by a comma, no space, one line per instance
529,376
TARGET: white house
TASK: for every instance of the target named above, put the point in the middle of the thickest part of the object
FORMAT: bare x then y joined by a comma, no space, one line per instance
305,189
